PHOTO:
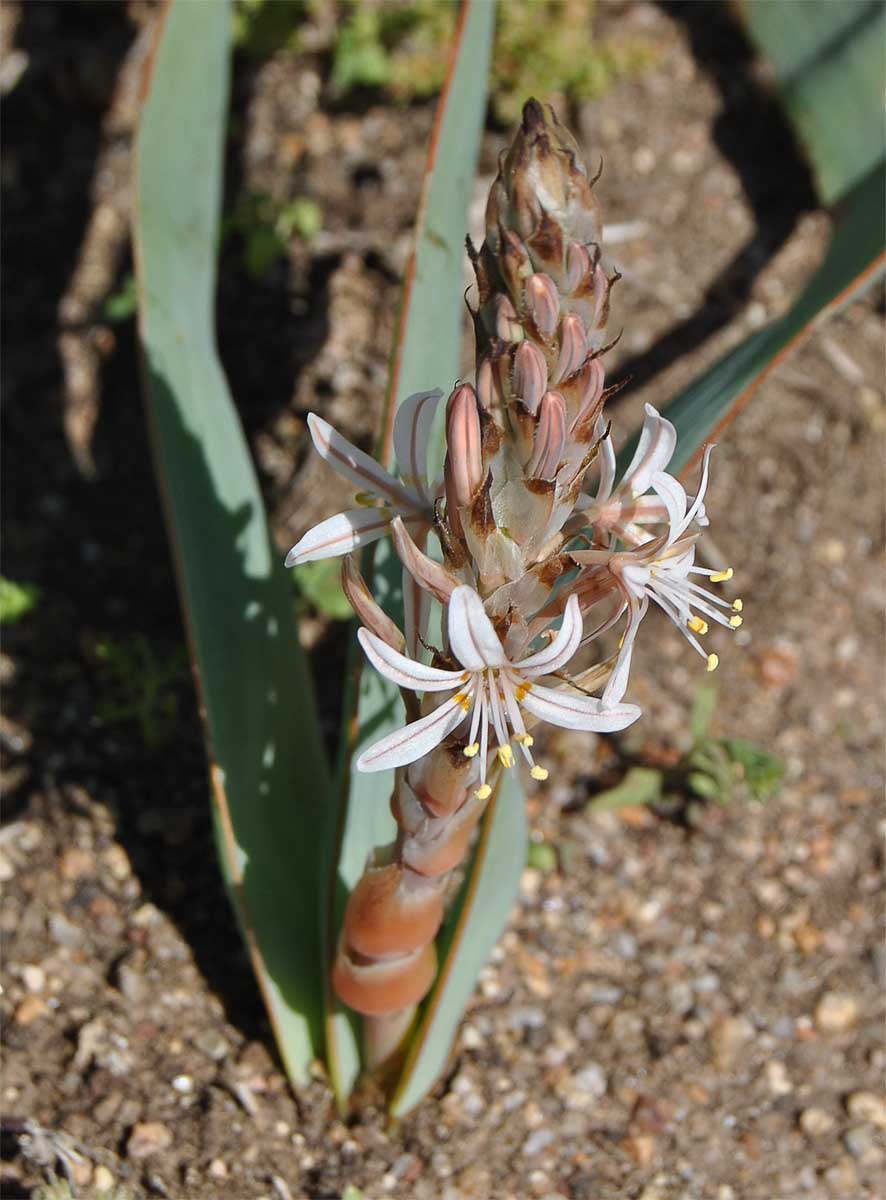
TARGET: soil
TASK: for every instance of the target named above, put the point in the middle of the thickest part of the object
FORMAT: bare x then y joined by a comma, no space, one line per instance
687,1007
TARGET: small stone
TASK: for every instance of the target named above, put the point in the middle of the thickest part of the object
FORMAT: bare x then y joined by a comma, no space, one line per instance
116,862
867,1107
218,1168
537,1141
64,933
863,1144
31,1009
183,1084
842,1178
642,1148
836,1012
581,1090
75,863
777,1078
728,1039
213,1044
816,1122
102,1179
34,978
147,1138
7,868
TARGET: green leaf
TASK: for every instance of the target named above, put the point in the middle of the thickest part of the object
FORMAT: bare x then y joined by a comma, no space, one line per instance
704,705
830,62
426,354
472,929
270,786
320,584
854,261
641,785
16,600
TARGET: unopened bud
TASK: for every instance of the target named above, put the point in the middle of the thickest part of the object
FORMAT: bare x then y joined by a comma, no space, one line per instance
573,347
543,303
550,437
464,461
530,375
591,401
578,265
507,326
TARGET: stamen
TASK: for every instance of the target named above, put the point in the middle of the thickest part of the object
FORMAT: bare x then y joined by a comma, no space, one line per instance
539,773
713,662
697,625
471,751
523,689
525,739
463,700
483,792
735,621
738,605
506,756
369,500
722,576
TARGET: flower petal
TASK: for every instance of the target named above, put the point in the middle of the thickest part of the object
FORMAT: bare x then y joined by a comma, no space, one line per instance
618,680
430,575
406,672
674,498
367,607
562,646
572,710
345,458
412,431
472,638
655,449
413,741
607,461
340,534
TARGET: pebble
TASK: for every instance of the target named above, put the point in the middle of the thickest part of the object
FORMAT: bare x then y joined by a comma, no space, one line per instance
31,1009
102,1179
183,1084
116,861
842,1178
147,1138
816,1122
537,1141
729,1038
34,978
7,868
836,1012
867,1107
64,933
213,1044
218,1168
863,1144
642,1148
777,1078
582,1089
75,863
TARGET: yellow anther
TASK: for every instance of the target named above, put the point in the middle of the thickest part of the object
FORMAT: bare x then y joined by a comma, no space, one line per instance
697,625
463,700
506,756
368,500
483,792
525,739
470,751
538,773
735,621
713,662
722,576
523,690
737,605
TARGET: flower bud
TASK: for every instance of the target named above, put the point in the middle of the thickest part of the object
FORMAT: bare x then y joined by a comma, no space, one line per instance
464,461
550,437
507,326
573,347
530,375
543,303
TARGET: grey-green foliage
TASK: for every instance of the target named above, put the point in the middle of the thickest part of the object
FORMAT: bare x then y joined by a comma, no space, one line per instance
16,600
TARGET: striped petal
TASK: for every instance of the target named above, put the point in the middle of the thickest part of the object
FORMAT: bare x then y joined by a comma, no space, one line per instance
413,741
351,462
340,534
572,710
561,648
655,449
406,672
412,432
472,638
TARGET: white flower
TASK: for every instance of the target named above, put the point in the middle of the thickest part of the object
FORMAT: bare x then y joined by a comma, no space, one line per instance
622,511
490,690
382,497
660,570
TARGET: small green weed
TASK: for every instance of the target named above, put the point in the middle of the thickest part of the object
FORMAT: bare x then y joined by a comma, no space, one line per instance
139,686
266,228
319,585
16,600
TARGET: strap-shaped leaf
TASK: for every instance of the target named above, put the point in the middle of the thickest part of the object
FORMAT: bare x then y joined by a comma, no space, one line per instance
855,259
426,354
270,785
472,929
829,58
